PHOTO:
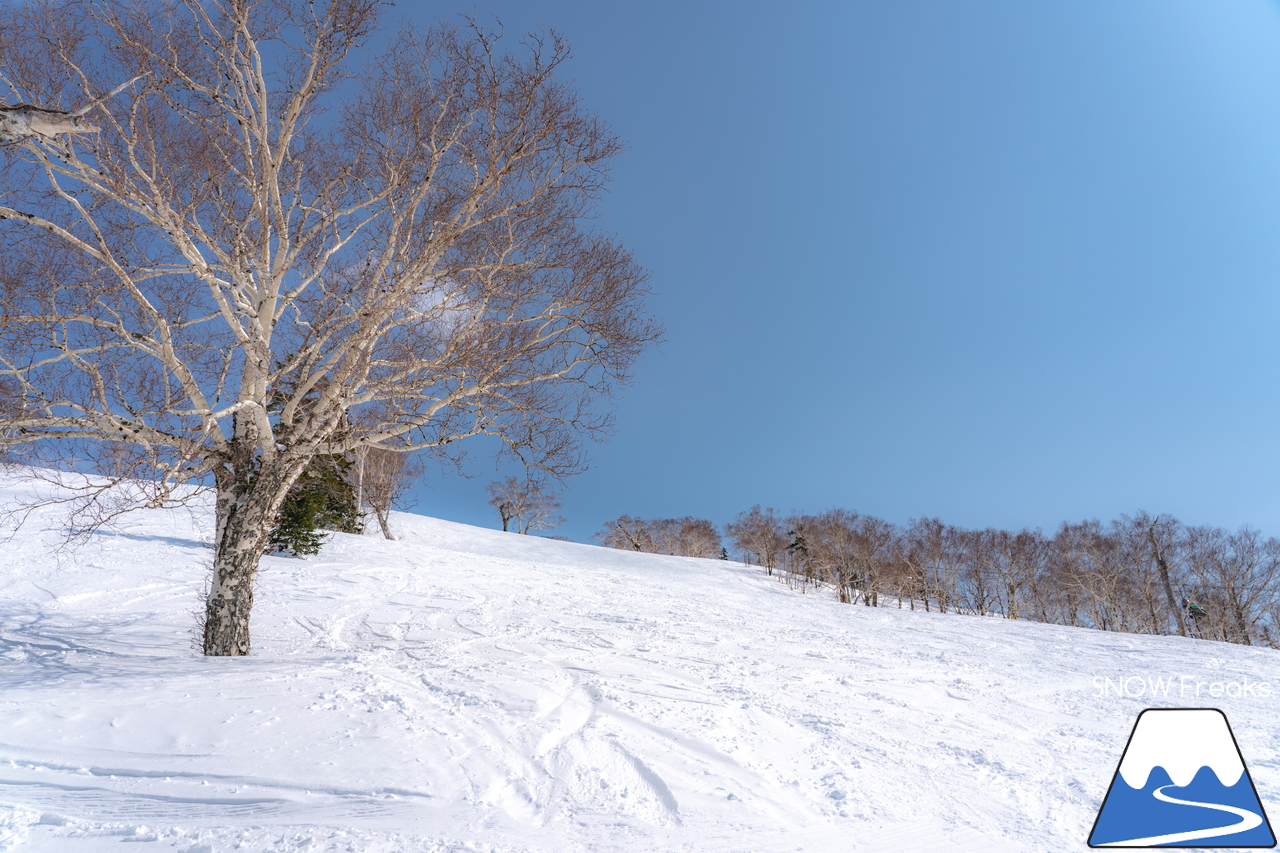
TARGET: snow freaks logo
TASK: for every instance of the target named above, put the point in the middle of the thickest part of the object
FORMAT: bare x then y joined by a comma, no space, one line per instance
1181,686
1181,783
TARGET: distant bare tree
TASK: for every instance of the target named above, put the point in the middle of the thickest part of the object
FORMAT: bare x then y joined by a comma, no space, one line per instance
1239,573
1016,562
10,413
529,504
1112,579
903,576
857,554
798,569
977,590
826,548
1163,536
542,511
680,537
1061,599
268,254
873,542
383,478
626,534
1148,550
1268,626
758,535
930,548
505,500
823,546
689,537
1088,568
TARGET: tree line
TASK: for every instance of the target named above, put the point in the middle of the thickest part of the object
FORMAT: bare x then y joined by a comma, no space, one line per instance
1138,573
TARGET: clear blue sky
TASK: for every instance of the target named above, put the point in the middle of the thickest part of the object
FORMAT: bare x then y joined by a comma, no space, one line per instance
1004,263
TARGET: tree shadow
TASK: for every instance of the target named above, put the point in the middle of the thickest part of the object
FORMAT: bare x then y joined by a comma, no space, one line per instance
150,537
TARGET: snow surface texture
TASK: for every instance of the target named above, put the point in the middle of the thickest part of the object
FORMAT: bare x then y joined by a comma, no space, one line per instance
470,690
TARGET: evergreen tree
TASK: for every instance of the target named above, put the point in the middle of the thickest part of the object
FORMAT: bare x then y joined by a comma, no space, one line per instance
322,499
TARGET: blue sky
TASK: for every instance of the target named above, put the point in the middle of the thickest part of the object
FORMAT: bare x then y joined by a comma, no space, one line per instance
1003,263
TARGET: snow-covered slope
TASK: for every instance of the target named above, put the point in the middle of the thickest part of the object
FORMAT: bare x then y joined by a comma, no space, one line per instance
469,690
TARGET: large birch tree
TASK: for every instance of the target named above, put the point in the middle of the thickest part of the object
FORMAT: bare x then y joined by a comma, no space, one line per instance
277,244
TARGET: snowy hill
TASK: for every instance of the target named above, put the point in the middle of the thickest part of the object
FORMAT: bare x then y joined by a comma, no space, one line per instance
470,690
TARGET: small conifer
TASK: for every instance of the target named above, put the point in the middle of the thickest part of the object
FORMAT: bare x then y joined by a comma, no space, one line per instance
322,499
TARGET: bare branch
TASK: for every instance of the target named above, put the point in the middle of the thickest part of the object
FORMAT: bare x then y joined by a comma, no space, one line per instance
230,287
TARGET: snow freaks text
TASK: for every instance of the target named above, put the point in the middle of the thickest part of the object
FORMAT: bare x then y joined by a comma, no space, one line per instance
1178,687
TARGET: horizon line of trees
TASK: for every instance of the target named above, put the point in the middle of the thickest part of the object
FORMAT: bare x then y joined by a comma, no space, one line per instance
1138,573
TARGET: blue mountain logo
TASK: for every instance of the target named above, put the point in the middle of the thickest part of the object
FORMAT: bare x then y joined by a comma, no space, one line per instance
1182,783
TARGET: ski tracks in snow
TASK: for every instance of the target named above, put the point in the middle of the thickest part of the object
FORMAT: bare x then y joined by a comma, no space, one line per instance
465,690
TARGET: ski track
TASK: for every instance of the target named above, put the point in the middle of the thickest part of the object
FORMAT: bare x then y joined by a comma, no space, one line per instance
468,690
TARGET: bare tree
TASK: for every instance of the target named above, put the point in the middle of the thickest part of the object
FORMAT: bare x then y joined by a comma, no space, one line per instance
1239,574
1016,562
1061,599
758,535
10,412
873,540
976,589
857,554
1108,576
680,537
267,254
821,548
626,534
382,478
826,548
930,548
688,537
529,503
798,569
1162,535
1149,550
505,497
904,575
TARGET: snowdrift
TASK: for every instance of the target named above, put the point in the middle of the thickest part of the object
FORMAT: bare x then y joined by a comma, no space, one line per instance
465,689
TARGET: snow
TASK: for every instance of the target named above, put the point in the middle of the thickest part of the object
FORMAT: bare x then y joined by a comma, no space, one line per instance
464,689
